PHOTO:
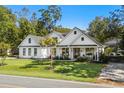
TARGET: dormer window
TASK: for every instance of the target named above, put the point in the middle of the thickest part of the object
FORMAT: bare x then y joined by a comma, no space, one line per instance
75,32
29,40
82,38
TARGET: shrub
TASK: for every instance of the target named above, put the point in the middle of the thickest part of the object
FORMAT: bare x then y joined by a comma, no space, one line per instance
103,58
47,67
61,58
56,58
82,59
83,73
80,73
108,51
63,69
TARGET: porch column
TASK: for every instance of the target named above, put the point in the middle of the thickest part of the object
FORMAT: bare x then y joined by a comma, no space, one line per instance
26,52
32,52
97,52
85,51
58,52
49,50
82,52
71,53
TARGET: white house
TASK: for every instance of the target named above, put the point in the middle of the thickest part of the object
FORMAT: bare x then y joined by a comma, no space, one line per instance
30,47
76,43
79,43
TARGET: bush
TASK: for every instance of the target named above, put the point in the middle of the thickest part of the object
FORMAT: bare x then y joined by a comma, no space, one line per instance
63,69
61,58
56,58
82,59
80,73
83,70
83,73
108,51
47,68
116,58
103,58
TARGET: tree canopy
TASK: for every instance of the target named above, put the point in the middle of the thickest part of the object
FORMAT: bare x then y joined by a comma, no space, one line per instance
104,28
16,25
8,28
98,28
48,41
50,16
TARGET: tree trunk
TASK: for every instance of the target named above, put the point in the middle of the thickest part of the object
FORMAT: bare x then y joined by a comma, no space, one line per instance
3,60
51,58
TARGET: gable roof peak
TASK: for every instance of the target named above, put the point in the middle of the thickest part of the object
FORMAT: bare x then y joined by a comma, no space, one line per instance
75,28
84,32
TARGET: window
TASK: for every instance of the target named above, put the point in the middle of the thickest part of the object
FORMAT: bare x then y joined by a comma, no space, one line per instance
29,51
29,40
35,51
82,38
65,52
75,32
24,51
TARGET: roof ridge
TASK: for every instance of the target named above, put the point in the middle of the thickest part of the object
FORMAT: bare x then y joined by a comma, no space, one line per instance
33,35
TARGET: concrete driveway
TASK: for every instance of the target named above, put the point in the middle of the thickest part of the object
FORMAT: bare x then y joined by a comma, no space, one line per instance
113,71
8,81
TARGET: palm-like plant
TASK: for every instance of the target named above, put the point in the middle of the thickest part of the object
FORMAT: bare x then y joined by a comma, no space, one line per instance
49,42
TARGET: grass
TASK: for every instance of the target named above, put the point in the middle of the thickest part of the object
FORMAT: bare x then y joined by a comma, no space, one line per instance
29,67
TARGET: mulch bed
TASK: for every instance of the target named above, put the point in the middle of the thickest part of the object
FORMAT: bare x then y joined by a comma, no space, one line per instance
110,82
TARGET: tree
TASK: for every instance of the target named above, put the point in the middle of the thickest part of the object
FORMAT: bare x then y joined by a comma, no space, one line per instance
23,13
3,52
8,28
50,16
25,27
40,29
122,42
98,28
61,29
48,42
117,25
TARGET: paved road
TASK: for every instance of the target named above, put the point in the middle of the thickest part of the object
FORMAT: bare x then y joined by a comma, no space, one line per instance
8,81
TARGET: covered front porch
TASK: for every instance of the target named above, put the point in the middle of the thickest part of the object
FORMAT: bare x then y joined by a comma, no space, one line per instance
73,52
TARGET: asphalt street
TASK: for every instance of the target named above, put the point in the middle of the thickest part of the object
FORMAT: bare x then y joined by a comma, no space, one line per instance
8,81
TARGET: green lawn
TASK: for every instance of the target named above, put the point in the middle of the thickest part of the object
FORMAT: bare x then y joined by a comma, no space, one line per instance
28,67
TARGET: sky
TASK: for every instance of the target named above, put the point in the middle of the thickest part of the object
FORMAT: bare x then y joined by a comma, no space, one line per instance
74,15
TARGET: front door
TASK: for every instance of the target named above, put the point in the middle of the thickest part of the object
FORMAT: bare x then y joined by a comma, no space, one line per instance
76,52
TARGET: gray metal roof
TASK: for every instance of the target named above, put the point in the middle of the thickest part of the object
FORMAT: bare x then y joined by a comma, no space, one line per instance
112,41
38,38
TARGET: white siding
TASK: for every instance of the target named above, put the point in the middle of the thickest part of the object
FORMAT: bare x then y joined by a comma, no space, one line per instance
86,41
70,38
34,41
41,52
